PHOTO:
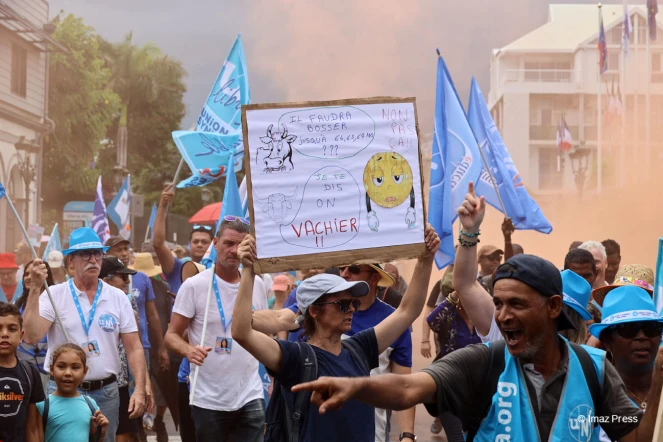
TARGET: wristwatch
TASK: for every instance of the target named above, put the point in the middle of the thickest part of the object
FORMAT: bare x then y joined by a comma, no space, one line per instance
406,434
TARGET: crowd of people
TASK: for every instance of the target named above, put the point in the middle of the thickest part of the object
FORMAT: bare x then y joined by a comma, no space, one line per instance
522,350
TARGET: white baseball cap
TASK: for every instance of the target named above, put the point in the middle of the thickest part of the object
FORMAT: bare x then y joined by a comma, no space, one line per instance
55,259
314,288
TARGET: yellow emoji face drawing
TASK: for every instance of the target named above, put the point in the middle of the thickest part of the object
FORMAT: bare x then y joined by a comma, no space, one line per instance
388,179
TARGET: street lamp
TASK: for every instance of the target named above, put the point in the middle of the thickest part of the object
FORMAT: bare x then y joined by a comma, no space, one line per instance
27,170
579,163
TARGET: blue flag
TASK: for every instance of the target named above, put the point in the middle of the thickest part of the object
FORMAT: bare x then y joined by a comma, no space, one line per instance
519,205
119,208
2,190
222,112
153,218
658,284
603,47
53,242
231,205
99,218
206,154
455,162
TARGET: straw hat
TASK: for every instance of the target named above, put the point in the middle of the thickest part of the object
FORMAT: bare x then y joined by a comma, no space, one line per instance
630,274
144,263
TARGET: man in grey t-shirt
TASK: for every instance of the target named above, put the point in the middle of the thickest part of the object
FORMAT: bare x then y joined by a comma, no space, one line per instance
538,365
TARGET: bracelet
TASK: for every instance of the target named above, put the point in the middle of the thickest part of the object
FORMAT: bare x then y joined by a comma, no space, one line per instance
470,235
467,244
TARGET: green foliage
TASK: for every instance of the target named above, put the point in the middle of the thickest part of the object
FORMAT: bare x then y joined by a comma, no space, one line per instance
83,106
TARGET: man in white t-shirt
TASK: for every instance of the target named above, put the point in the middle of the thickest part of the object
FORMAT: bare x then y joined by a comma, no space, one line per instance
228,402
96,316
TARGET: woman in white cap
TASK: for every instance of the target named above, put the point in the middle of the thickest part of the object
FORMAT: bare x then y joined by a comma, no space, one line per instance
327,303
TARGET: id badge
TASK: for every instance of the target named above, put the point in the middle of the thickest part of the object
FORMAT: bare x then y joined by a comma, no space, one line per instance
91,349
223,345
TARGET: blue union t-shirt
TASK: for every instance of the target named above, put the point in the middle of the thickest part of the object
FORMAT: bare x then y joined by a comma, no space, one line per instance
68,418
142,292
174,277
355,421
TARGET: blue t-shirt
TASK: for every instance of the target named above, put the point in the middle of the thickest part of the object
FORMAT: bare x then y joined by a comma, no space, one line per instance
372,316
142,292
69,418
355,421
183,372
174,277
292,299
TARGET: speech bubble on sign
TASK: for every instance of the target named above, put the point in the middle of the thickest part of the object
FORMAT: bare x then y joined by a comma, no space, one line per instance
330,132
330,211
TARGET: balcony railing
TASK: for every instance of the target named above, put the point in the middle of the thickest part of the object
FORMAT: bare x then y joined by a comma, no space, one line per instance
538,75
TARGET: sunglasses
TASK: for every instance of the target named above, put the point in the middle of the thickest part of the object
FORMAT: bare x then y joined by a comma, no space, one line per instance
343,304
630,329
202,228
355,269
87,254
231,218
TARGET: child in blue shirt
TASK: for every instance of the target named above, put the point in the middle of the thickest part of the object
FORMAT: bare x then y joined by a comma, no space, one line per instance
69,416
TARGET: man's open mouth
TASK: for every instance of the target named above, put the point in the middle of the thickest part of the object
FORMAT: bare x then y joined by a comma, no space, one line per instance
512,336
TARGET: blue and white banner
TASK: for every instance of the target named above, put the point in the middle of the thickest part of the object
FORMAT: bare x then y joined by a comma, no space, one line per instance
222,115
53,243
206,154
119,208
99,216
455,162
520,207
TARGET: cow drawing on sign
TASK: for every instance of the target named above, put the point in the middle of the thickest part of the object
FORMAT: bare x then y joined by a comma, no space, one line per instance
277,206
278,152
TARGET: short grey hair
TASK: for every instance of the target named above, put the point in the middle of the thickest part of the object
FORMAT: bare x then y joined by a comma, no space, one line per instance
591,245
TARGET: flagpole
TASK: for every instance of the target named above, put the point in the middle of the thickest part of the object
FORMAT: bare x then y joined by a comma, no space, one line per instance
599,180
202,338
34,256
622,158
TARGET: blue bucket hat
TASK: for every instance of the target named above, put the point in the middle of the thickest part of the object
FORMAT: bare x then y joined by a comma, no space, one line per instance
576,293
624,304
84,238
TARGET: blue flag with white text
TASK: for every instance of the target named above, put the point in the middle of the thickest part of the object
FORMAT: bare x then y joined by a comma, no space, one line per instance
2,190
119,209
222,112
53,243
206,154
231,205
455,162
519,205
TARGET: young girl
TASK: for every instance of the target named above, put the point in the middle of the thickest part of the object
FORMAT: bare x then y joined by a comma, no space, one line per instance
69,416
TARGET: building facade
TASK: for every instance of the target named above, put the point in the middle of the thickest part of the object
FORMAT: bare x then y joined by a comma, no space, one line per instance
24,47
553,72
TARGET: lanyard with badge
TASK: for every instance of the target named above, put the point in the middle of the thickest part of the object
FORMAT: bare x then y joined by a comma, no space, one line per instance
91,348
223,344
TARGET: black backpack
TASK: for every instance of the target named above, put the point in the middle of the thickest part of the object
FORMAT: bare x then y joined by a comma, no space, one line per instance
44,417
283,424
496,367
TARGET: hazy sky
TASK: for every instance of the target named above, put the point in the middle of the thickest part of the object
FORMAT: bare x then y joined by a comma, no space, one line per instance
315,50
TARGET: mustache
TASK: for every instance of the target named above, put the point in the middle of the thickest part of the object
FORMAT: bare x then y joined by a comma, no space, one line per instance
92,266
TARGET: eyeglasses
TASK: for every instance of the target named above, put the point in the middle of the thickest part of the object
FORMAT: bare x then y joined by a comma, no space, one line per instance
355,269
343,304
630,330
231,218
87,254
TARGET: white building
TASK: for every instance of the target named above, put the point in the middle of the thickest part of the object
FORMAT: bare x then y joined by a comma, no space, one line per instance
554,70
24,47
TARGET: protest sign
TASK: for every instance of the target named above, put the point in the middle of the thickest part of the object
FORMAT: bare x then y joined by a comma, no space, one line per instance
334,183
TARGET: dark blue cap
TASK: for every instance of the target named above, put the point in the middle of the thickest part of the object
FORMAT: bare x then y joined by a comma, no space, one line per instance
538,273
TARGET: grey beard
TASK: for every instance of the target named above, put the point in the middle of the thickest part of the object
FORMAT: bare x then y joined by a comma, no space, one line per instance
531,349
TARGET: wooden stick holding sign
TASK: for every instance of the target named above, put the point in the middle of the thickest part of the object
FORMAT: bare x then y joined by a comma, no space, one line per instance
333,183
34,256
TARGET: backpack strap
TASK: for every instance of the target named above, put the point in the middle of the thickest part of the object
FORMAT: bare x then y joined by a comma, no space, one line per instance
44,414
308,366
354,349
489,386
29,373
590,374
97,434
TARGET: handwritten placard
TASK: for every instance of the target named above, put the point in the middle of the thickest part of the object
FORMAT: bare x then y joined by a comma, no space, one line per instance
334,182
